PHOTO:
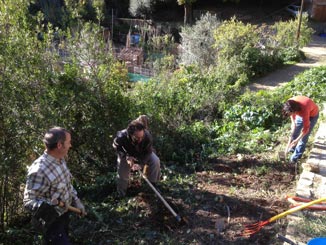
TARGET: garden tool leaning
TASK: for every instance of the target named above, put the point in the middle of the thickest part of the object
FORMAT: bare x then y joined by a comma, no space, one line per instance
254,228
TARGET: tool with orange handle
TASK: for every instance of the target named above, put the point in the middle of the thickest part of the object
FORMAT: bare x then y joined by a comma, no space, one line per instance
297,201
254,228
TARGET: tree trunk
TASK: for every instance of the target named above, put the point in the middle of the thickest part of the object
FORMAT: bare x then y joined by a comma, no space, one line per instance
2,204
188,14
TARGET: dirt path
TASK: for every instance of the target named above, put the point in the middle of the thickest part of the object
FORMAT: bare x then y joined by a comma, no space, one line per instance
316,56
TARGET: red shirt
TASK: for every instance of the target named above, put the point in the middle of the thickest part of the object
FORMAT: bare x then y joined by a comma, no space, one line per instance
308,109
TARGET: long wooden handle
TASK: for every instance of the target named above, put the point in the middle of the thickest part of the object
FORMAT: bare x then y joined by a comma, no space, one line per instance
75,210
288,145
295,209
70,208
160,196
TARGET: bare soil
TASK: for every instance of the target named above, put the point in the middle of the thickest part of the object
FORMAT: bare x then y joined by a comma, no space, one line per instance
226,195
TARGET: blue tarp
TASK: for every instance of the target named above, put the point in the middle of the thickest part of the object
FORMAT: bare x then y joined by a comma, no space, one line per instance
317,241
135,38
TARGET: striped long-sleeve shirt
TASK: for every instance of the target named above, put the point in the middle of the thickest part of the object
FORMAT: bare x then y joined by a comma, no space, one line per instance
48,178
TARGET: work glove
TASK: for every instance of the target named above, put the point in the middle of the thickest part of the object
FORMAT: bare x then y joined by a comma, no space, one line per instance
81,207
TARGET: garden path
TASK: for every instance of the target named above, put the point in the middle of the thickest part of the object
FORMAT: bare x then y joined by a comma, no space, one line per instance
315,56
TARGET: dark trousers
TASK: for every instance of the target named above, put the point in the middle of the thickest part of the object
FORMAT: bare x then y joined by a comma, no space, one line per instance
57,233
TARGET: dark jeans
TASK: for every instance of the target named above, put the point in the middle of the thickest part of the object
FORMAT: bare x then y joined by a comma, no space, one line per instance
57,233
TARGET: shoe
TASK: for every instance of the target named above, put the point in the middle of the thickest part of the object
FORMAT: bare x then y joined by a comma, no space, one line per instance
293,167
293,162
119,194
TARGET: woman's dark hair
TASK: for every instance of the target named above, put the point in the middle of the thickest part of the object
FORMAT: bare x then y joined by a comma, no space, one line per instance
134,126
53,136
290,106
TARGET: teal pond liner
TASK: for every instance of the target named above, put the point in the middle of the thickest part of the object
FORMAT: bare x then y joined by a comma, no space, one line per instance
133,77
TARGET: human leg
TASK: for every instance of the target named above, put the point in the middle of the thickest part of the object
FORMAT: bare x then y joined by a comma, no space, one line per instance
122,175
154,167
298,128
301,146
295,134
57,233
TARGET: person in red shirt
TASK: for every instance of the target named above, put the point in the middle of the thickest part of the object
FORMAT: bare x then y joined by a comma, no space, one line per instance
304,115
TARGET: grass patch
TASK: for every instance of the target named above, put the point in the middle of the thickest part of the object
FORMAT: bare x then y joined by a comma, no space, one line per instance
312,226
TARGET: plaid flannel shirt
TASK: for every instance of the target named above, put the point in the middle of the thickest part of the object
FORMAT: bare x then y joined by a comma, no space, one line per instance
48,179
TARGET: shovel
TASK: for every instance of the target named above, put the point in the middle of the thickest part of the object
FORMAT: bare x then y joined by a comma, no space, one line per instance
178,218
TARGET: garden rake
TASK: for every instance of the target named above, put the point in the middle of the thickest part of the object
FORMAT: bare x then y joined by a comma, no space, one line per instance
254,228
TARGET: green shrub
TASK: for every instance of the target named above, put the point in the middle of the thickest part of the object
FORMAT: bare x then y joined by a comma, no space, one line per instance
311,83
286,33
285,42
233,36
290,55
197,42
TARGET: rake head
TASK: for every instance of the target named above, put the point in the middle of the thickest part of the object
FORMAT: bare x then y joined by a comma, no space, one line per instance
253,228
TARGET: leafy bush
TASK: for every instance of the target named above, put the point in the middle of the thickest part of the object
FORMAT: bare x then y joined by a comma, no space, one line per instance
239,43
140,8
286,33
285,42
233,36
311,83
290,55
231,73
258,62
197,42
83,91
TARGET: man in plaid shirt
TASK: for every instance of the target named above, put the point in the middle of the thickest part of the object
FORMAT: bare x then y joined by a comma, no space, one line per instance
49,181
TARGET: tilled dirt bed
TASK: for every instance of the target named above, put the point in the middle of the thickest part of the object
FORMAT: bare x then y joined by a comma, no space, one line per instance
242,192
224,195
229,195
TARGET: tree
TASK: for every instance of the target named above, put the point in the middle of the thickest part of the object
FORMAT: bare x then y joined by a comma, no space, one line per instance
188,10
73,82
140,8
198,40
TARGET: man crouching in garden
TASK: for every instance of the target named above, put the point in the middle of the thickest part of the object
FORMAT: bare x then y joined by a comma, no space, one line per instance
134,147
49,192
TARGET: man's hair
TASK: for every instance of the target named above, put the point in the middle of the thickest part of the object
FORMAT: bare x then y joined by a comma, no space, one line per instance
144,120
134,126
291,106
53,136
